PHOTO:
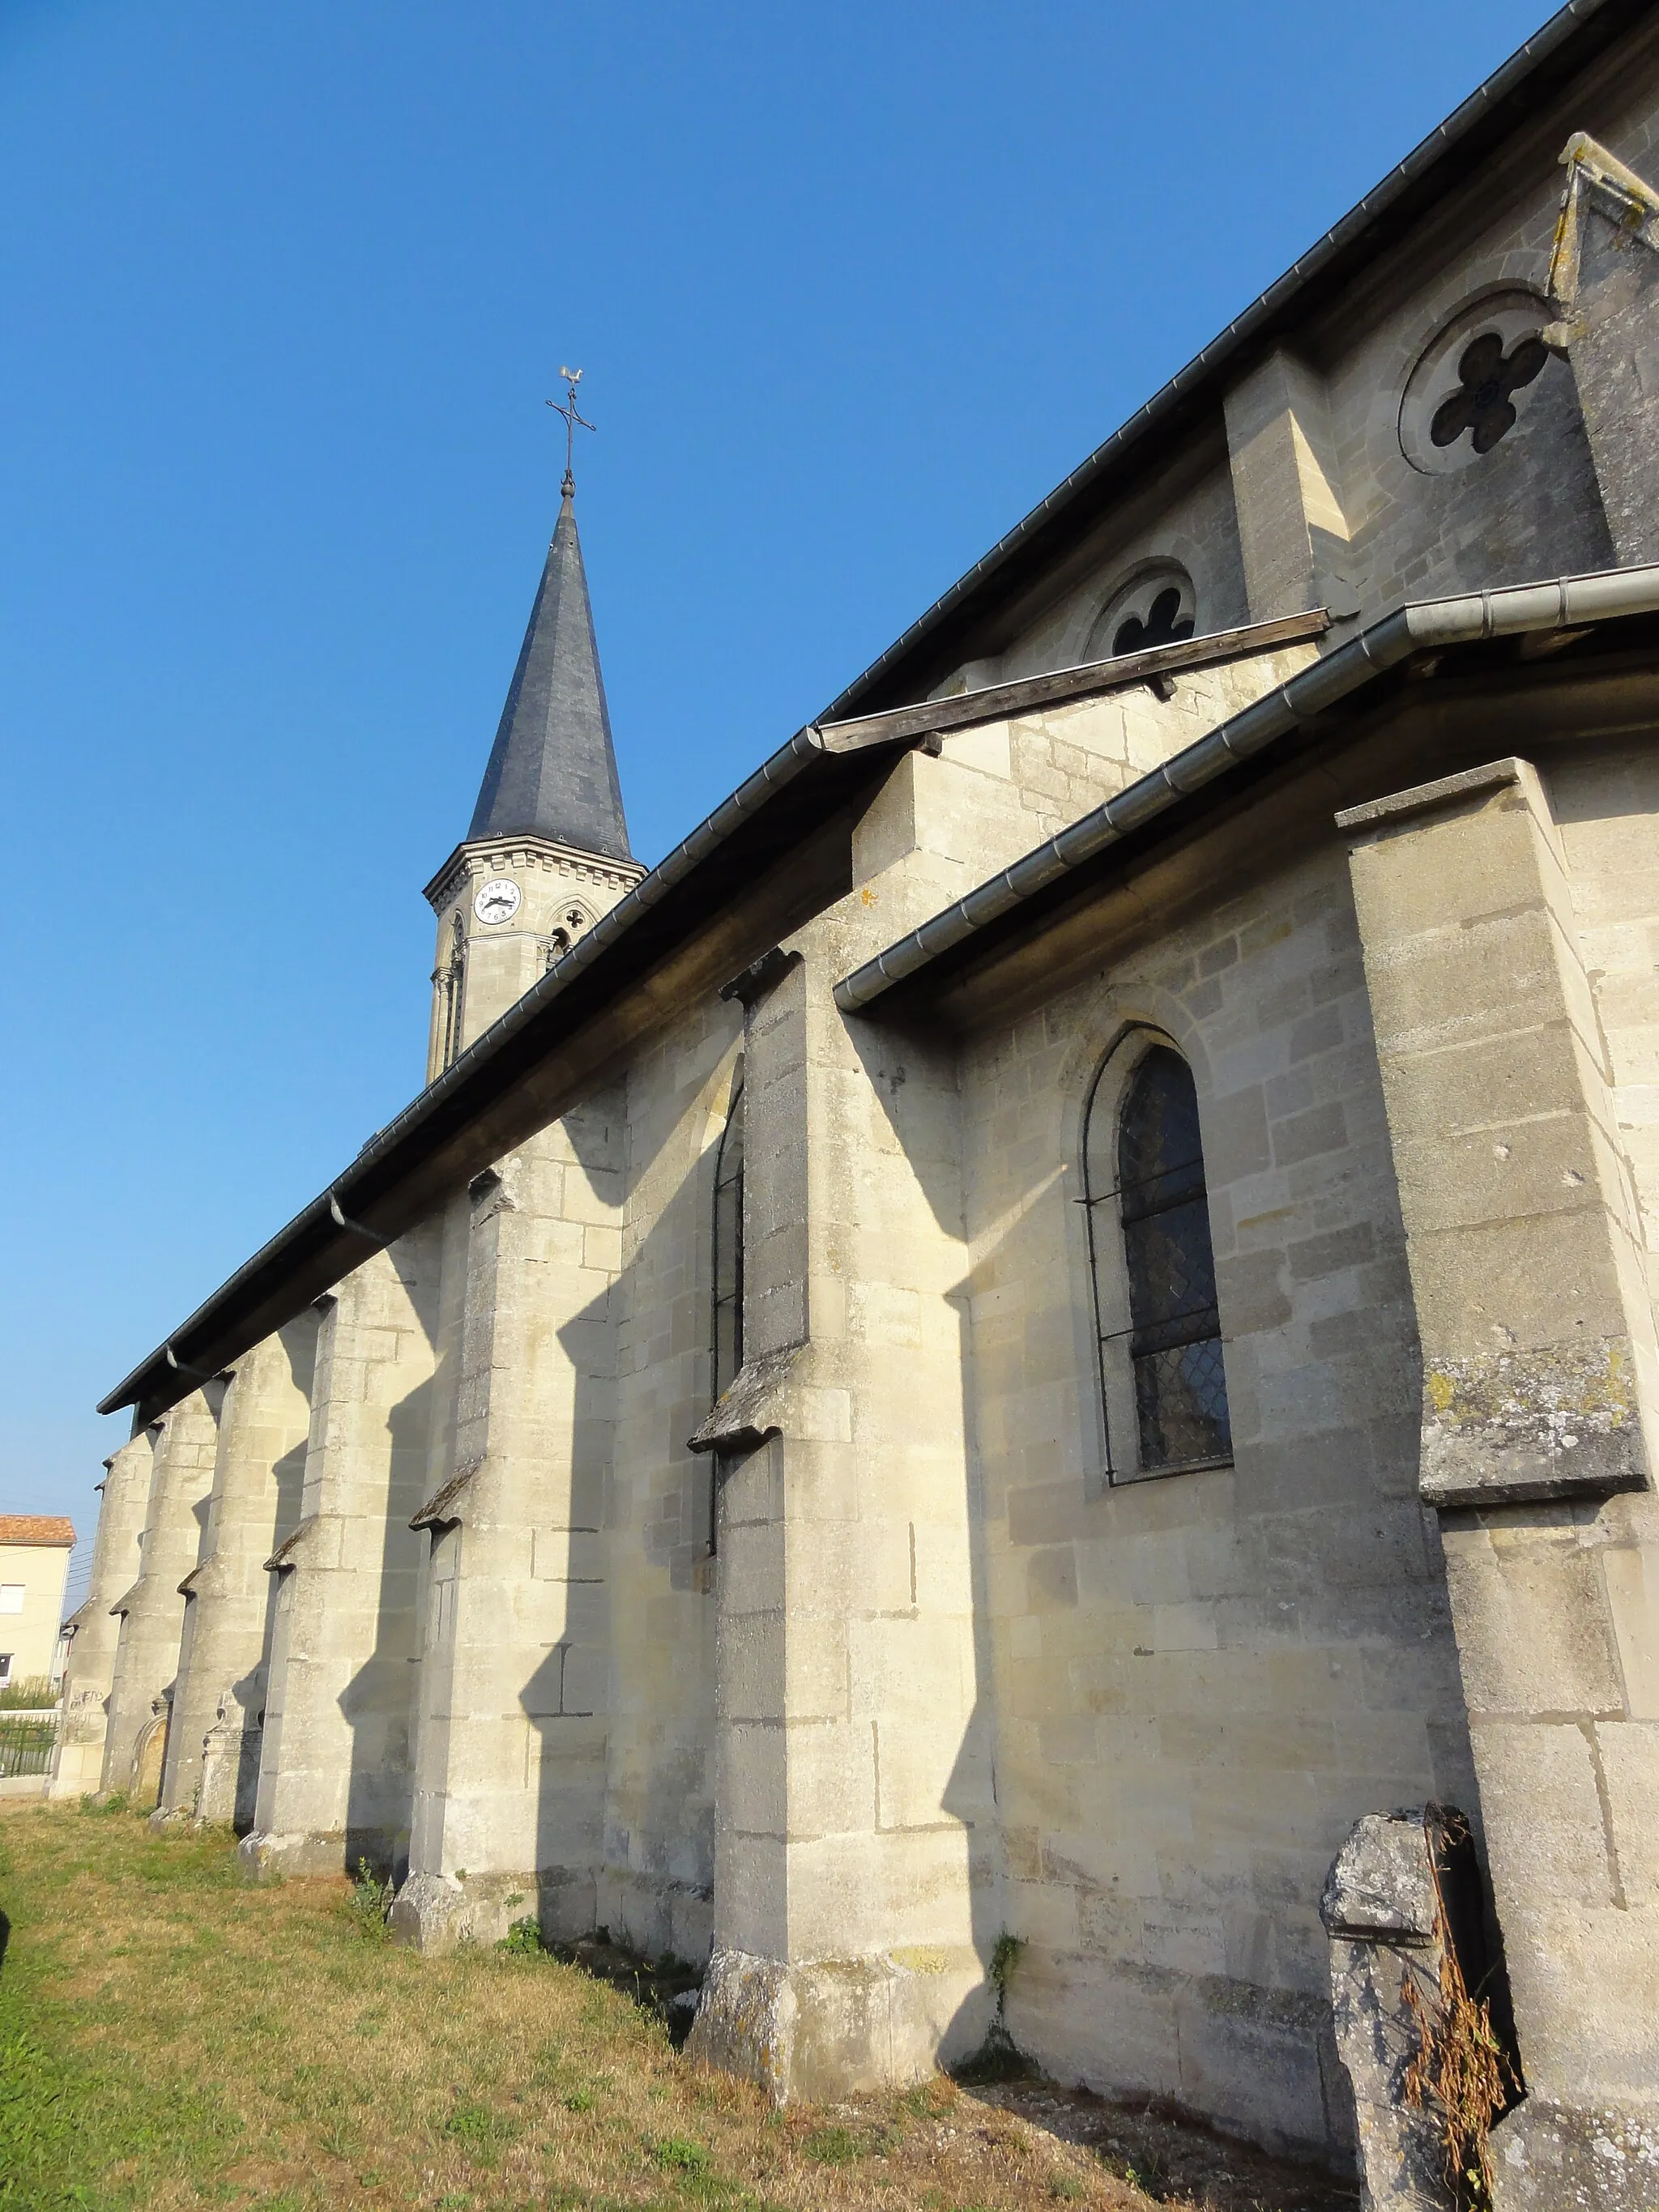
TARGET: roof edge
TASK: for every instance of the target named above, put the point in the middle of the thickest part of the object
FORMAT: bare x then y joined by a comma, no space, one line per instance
1446,140
335,1205
169,1372
1567,602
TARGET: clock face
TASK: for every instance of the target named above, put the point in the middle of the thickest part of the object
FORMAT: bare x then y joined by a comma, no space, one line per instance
497,900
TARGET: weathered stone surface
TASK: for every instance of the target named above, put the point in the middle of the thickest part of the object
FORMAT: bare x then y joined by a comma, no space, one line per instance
153,1611
90,1675
214,1743
1381,1886
1548,2157
1537,1332
1381,1910
819,2029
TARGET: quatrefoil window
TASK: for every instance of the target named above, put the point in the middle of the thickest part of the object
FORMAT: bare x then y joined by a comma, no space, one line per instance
1163,623
1482,403
1478,381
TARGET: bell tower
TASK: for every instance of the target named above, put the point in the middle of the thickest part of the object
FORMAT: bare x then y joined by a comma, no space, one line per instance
547,852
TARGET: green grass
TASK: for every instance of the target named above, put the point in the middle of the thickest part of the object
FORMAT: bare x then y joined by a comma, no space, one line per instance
171,2037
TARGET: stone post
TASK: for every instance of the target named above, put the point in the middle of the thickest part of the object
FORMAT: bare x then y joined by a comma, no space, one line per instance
213,1745
854,1900
153,1610
510,1771
1381,1908
335,1767
1287,492
96,1626
1539,1379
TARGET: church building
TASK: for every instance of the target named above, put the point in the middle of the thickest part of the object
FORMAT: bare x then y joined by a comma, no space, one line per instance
1047,1330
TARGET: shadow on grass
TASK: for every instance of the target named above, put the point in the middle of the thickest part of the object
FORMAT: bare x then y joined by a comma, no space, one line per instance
666,1988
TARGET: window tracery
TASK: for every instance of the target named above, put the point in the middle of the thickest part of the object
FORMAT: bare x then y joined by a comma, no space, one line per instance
1163,623
1156,607
1144,1165
569,927
1474,381
1482,403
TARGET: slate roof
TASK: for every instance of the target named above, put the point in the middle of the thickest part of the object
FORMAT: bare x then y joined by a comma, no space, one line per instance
961,621
552,769
35,1528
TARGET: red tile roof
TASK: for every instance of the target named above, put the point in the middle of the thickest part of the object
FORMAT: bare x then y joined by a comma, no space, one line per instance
35,1528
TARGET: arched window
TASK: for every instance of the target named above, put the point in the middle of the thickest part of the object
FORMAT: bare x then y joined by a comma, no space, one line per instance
728,1250
1153,1263
451,982
1158,607
727,1315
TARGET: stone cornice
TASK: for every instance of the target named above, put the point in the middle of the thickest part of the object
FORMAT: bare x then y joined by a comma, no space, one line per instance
483,856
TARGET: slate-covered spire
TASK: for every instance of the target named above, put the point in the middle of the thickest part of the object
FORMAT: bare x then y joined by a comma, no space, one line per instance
552,769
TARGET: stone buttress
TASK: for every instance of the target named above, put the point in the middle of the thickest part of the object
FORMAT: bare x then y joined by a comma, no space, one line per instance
1539,1362
153,1610
509,1780
335,1773
96,1625
213,1745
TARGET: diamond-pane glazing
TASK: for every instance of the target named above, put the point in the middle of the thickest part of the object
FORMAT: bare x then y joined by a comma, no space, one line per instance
1175,1330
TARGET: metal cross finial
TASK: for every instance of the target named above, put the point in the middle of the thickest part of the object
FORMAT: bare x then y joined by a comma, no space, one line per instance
573,377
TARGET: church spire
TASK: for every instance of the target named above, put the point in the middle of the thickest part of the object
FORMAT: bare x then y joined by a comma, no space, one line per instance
552,769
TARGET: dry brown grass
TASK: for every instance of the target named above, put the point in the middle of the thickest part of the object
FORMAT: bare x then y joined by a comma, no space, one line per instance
170,2038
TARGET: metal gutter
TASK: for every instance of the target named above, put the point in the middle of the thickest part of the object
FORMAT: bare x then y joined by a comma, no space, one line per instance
332,1235
1568,603
335,1213
1275,304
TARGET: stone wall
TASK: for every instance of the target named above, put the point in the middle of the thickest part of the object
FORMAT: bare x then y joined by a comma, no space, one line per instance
336,1776
514,1690
218,1712
657,1881
1202,1680
153,1610
89,1676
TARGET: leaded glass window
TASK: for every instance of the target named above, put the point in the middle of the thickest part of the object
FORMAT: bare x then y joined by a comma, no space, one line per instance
1143,1162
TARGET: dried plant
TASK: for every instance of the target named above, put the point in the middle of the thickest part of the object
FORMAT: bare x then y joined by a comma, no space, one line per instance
1461,2075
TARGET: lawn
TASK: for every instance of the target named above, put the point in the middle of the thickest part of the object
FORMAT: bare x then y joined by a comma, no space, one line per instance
169,2037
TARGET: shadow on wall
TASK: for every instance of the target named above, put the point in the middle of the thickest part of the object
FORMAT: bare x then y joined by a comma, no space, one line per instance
650,1847
909,1079
288,1478
377,1703
1215,1673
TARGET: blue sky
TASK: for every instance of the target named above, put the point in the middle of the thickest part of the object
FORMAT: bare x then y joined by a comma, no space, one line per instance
285,288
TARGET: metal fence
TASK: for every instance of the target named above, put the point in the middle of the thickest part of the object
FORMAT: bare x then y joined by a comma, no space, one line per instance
27,1743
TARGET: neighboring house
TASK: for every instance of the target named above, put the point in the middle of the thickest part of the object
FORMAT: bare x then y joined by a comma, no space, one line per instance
34,1556
1052,1318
